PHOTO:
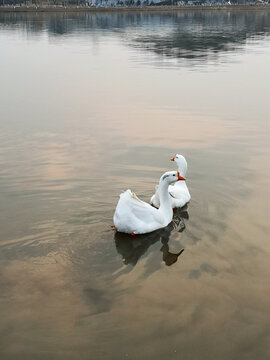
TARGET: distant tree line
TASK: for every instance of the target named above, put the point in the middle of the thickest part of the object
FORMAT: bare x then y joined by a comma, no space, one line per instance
45,2
119,2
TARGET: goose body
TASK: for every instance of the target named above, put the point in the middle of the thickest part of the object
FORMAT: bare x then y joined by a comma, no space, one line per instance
134,216
179,194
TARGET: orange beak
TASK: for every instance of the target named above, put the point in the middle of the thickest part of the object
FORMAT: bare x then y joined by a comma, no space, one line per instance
172,159
180,177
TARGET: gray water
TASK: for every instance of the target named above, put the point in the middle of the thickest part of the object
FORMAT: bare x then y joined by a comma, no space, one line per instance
93,104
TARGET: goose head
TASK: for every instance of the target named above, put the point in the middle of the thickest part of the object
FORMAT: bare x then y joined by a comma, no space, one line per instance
171,177
181,163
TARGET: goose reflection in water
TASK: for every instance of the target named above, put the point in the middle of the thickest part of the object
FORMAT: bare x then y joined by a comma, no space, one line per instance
132,248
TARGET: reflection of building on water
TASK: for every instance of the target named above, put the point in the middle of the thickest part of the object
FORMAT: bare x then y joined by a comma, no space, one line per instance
133,248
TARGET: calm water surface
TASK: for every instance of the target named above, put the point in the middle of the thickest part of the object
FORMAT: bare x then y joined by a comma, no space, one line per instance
93,104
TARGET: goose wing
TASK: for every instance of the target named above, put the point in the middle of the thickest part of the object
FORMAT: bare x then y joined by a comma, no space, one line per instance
135,215
140,209
180,193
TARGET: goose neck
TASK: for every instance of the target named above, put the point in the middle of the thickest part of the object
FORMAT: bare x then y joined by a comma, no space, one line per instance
165,204
182,168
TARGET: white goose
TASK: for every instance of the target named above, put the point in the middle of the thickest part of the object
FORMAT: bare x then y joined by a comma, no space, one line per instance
179,194
134,216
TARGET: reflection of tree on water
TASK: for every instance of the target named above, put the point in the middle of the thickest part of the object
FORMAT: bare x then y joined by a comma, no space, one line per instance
203,34
132,248
188,34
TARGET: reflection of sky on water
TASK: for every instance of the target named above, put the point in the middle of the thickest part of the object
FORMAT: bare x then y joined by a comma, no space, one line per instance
101,123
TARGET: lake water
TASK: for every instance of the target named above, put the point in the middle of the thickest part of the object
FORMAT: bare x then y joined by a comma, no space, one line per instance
93,104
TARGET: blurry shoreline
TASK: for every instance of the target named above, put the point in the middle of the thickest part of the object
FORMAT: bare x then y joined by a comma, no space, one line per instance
71,8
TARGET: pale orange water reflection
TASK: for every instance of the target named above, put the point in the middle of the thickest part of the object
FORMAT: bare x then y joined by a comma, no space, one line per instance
92,104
